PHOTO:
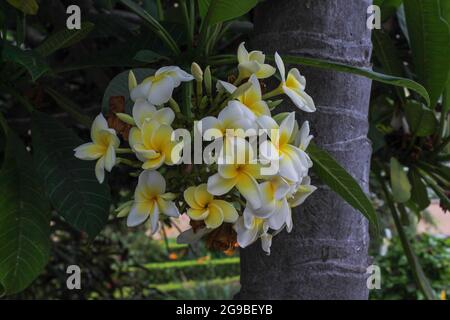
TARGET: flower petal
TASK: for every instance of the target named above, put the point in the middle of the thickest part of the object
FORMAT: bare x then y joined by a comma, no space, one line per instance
153,182
300,99
197,214
219,186
161,91
249,189
214,218
139,212
142,110
280,66
189,197
89,151
230,214
98,125
242,53
168,208
265,71
100,170
202,196
164,116
110,158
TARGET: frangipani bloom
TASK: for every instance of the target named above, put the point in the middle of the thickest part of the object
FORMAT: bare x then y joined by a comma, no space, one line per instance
253,63
102,148
250,228
150,200
293,162
153,144
144,111
294,86
252,99
240,174
203,206
299,192
158,88
275,207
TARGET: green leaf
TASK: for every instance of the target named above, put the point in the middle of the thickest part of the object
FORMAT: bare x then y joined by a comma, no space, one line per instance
401,188
224,10
341,182
421,120
70,183
430,43
368,73
118,86
63,39
388,56
388,7
69,106
445,11
29,59
148,56
419,194
30,7
159,30
24,220
203,6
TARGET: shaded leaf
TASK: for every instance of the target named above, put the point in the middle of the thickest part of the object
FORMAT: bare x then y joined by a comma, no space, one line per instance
421,120
419,194
148,56
30,7
430,43
70,183
24,220
341,182
401,188
224,10
29,59
64,38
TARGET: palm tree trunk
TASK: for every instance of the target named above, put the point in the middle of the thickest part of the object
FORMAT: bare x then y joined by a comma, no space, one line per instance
325,256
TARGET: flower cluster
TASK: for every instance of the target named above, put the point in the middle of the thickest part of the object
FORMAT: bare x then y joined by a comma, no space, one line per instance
239,194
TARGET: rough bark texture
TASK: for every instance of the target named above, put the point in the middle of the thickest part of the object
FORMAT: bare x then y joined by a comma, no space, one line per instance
325,256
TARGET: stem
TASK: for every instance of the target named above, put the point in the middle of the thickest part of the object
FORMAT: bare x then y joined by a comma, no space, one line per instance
123,150
128,162
188,22
276,92
4,123
417,271
160,10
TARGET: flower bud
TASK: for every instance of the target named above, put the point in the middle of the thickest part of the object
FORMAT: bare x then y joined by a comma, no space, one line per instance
126,118
208,81
132,82
197,72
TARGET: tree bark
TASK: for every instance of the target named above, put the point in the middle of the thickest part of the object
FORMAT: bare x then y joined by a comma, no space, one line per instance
325,255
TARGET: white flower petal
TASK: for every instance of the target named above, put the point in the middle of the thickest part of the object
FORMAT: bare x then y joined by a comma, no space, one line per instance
161,91
100,170
280,66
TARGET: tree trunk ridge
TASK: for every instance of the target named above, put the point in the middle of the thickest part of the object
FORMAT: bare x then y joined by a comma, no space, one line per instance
325,255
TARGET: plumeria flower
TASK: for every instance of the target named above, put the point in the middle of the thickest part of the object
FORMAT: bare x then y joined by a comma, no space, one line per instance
203,206
150,200
102,148
153,144
275,207
144,111
158,88
293,162
300,191
294,86
253,63
252,99
250,228
239,174
303,139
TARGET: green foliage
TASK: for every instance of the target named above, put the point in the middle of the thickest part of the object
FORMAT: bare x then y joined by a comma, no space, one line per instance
29,59
69,183
216,11
24,220
429,36
341,182
401,188
421,120
397,279
26,6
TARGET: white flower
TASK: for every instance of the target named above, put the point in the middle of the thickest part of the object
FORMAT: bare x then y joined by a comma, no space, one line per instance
144,111
158,89
102,148
293,162
294,86
150,200
300,191
253,63
250,228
